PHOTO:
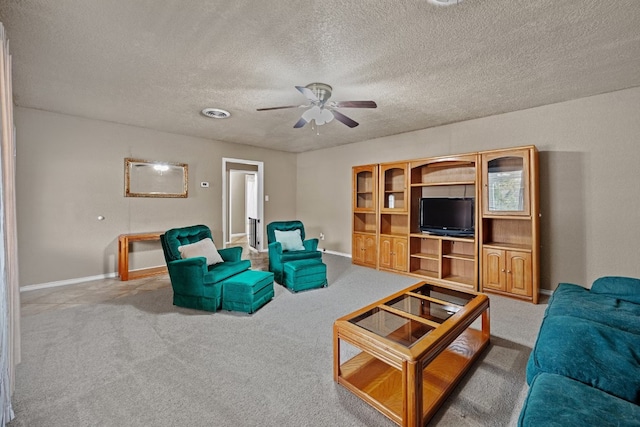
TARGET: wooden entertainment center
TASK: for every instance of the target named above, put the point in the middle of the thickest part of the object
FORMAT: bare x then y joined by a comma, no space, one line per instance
502,255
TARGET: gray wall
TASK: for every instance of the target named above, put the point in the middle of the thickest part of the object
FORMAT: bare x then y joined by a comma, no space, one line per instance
70,170
589,174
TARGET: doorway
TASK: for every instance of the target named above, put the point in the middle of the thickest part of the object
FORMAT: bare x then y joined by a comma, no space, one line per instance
243,201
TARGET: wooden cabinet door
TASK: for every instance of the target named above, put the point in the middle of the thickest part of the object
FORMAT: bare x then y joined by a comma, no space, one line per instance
519,273
386,249
370,250
357,251
400,254
393,187
393,253
493,269
365,188
505,183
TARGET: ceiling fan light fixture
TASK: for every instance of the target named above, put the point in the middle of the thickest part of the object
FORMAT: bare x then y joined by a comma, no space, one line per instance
216,113
319,115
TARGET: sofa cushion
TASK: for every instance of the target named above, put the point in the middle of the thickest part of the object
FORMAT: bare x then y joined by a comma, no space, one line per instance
576,301
203,248
557,401
624,288
592,353
297,255
223,270
290,240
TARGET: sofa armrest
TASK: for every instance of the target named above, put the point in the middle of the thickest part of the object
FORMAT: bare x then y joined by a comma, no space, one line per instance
311,244
231,254
624,288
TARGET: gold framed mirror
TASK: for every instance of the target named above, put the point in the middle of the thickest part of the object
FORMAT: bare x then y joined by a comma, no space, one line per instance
144,178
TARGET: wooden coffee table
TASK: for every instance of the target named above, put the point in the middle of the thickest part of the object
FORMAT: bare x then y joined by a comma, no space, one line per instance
405,353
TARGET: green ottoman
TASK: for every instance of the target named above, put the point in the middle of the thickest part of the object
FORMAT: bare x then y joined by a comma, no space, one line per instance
247,291
305,274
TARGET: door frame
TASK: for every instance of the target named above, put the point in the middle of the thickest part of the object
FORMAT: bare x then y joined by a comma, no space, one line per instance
225,197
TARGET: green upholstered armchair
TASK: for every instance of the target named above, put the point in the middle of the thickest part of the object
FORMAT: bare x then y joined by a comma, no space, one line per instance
196,284
279,256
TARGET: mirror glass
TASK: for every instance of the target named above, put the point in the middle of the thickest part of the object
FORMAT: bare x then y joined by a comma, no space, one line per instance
145,178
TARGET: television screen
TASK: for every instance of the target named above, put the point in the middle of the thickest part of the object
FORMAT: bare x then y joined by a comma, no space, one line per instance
447,216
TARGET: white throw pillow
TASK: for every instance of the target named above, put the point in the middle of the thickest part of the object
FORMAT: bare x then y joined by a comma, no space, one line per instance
205,248
290,240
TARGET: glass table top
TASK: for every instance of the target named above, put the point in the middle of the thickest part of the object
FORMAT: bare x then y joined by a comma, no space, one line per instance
401,330
432,304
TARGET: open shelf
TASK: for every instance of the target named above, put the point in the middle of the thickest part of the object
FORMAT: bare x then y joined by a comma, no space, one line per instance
508,233
381,383
394,224
364,222
439,172
434,257
364,200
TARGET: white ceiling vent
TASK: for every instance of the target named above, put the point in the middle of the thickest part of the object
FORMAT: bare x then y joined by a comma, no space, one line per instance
445,2
216,113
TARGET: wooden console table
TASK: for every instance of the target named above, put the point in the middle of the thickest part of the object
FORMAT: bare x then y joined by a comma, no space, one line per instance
123,256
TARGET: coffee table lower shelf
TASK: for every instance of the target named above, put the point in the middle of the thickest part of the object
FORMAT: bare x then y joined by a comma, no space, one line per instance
381,385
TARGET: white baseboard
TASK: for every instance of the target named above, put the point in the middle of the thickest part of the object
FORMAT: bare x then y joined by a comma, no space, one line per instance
334,253
67,282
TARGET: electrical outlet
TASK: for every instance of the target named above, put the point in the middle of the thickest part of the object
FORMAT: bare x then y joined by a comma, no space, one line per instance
321,236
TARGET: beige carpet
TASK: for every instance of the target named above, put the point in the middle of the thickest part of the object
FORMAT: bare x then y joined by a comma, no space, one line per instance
140,361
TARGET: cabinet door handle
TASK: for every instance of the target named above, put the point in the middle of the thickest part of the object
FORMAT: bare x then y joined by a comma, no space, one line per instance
502,270
509,271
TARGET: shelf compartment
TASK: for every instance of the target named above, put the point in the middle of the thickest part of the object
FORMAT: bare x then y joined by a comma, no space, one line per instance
381,384
398,202
459,256
364,200
439,184
394,224
394,180
425,247
364,223
458,248
508,232
507,246
459,270
364,182
424,266
443,173
425,256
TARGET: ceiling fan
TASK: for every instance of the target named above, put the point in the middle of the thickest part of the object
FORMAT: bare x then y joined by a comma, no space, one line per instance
322,110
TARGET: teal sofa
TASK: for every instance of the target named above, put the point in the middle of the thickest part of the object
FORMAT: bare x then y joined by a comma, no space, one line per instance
196,284
278,255
584,368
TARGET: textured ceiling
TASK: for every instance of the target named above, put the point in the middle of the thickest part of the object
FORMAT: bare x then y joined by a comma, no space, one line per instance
158,64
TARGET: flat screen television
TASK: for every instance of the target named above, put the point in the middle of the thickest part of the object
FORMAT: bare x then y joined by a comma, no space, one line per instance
447,216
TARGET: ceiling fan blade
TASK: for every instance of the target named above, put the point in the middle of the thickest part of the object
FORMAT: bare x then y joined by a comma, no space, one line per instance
355,104
300,123
344,119
277,108
308,93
